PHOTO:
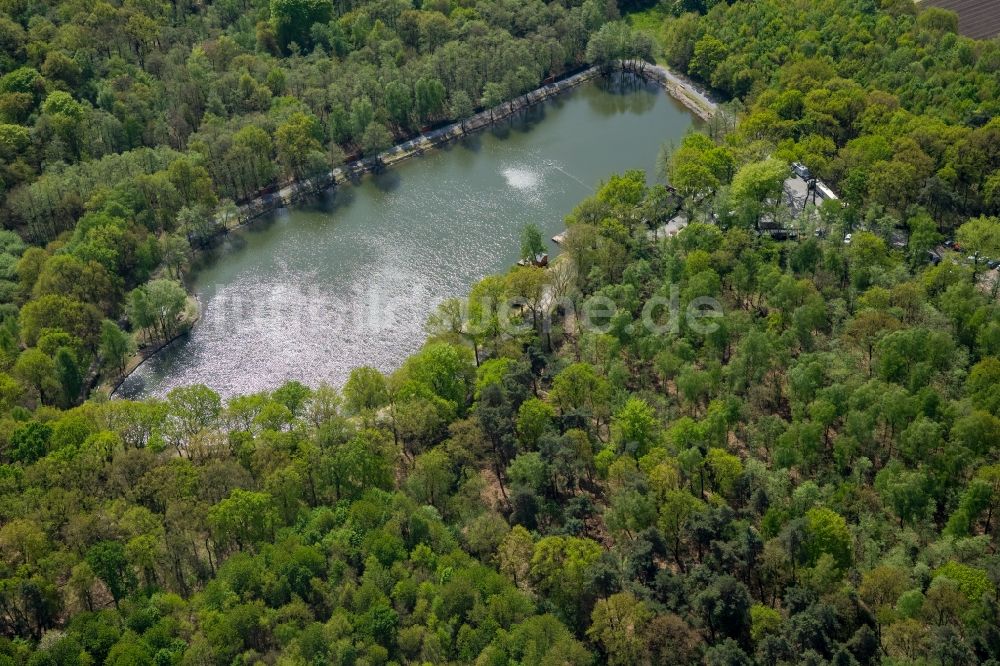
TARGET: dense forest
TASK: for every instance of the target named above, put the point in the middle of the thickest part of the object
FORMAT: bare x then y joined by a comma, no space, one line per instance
805,472
899,111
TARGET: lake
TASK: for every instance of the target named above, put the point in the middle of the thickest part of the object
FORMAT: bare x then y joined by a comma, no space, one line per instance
348,279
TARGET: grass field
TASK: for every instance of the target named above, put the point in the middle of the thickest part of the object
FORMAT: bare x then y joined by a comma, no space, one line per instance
650,21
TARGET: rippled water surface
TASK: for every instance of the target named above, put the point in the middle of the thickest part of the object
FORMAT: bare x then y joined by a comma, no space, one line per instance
310,293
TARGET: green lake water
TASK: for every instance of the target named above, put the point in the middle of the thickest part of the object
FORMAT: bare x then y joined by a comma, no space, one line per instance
310,292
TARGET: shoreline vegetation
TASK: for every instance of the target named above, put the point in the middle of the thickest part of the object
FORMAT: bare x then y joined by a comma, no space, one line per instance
192,314
122,150
678,87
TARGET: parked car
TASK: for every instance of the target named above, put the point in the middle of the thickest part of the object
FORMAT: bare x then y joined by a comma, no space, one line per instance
993,264
847,239
933,257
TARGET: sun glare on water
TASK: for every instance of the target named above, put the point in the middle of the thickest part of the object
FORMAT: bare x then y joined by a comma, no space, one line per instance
521,178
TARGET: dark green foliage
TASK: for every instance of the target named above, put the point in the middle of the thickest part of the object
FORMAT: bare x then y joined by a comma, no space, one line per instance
293,20
29,442
108,562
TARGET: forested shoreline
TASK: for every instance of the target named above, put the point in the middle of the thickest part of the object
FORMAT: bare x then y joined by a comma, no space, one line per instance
411,145
813,478
121,160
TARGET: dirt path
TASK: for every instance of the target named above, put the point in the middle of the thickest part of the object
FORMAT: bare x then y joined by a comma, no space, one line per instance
680,87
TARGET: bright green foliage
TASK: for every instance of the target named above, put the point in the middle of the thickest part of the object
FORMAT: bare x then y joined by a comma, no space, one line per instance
297,141
827,533
365,390
765,620
244,517
620,624
984,385
534,419
981,237
973,582
725,469
756,188
616,41
579,387
531,243
637,428
443,369
156,308
560,568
